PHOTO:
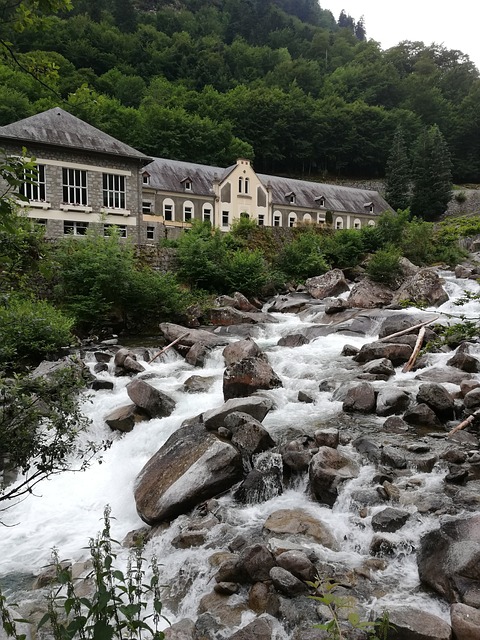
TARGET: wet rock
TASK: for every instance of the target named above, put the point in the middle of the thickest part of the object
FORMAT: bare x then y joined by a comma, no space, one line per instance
224,610
425,287
248,434
130,365
391,401
226,588
264,481
297,454
327,471
327,438
360,398
400,322
293,340
227,316
335,305
382,366
298,564
100,367
468,385
389,519
293,303
197,354
349,350
153,401
331,284
303,396
393,457
449,559
368,294
300,522
465,622
327,385
102,385
465,362
384,546
190,336
472,399
443,374
198,384
437,398
231,570
255,406
207,627
456,474
263,599
238,301
257,561
368,448
422,416
247,376
260,629
414,624
125,418
394,424
120,356
192,466
396,353
241,349
182,630
102,356
287,583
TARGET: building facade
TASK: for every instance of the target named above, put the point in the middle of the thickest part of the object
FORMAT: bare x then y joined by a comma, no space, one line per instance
87,179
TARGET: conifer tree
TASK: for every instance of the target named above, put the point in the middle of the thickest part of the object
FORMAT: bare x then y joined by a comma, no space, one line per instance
432,175
398,174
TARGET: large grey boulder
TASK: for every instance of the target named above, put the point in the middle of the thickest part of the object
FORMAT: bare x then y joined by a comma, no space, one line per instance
391,401
327,471
425,287
368,294
238,301
153,401
360,397
332,283
256,407
247,376
226,316
298,522
298,564
401,321
396,353
190,336
192,466
449,560
241,349
408,623
247,434
287,583
125,418
438,399
465,622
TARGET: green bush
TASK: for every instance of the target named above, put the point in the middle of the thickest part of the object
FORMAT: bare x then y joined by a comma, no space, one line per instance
31,330
201,255
246,271
302,257
384,266
344,248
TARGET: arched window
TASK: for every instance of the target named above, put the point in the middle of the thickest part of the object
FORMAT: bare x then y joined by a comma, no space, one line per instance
307,218
357,224
292,219
187,211
168,210
207,213
371,223
338,223
247,184
277,219
240,185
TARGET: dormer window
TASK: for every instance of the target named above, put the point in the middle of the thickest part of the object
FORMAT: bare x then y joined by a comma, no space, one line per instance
187,184
320,200
291,198
369,206
145,177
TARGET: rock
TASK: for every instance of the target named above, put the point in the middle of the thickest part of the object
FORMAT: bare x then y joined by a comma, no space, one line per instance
425,287
293,340
382,366
227,316
407,268
298,564
438,399
130,365
198,384
443,374
102,356
197,354
236,351
263,599
238,301
399,322
100,367
396,353
192,466
394,424
389,520
224,610
99,385
125,418
190,336
305,397
360,398
226,588
335,305
449,559
330,284
182,630
408,623
465,622
293,303
327,470
248,434
349,350
153,401
263,482
472,399
465,362
259,629
393,457
422,416
468,385
327,438
255,406
257,561
287,583
391,401
247,376
368,294
367,448
299,522
120,356
297,454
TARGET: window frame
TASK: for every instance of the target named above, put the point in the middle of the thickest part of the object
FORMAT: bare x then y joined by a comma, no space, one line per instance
114,191
71,189
34,187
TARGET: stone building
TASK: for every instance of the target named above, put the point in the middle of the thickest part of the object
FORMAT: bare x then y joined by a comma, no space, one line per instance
88,179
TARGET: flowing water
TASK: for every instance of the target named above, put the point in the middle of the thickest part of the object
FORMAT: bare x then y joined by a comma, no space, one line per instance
68,509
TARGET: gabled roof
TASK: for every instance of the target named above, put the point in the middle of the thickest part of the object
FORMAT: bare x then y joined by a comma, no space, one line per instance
169,175
59,128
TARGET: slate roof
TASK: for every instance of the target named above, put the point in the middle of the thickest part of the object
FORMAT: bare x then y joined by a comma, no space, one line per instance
167,175
59,128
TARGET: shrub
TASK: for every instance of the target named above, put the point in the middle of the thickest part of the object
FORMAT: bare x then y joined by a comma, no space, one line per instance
246,271
302,257
384,266
201,254
344,248
460,197
31,330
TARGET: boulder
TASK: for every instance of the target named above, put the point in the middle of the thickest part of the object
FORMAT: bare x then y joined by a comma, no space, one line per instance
256,407
449,560
382,367
197,354
368,294
472,399
238,301
287,583
236,351
401,321
293,303
190,336
293,340
408,623
360,397
260,629
443,374
263,599
125,418
422,416
438,399
263,482
226,316
130,365
102,356
181,630
330,284
391,401
396,353
98,385
297,454
247,434
335,305
257,561
198,384
298,564
327,471
425,287
389,520
465,362
153,401
247,376
120,356
298,522
100,367
465,622
192,466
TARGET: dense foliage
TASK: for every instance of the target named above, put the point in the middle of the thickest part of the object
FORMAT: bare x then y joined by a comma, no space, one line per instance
282,82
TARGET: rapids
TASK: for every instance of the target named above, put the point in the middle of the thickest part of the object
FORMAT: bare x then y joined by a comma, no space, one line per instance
67,509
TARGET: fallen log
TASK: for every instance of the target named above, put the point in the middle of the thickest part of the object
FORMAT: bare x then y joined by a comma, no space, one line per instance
409,330
168,347
416,351
465,423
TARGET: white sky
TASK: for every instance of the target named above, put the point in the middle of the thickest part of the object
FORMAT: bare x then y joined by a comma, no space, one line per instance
455,25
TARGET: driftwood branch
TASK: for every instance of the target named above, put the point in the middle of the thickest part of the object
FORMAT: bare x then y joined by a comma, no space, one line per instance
409,330
464,424
168,347
416,351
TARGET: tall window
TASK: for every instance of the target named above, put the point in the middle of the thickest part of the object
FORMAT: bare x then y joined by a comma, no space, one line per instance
150,233
168,210
276,220
207,213
75,186
75,228
247,185
225,218
146,207
261,219
240,185
113,191
34,186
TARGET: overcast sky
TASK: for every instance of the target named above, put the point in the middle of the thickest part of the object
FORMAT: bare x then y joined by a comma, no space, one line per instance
453,24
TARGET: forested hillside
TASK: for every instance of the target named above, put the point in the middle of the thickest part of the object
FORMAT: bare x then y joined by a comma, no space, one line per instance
283,82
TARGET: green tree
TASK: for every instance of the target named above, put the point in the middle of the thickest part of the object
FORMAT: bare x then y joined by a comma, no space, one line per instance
432,177
397,174
125,17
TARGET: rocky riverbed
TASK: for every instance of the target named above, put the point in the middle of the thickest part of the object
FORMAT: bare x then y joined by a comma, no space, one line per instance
286,445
